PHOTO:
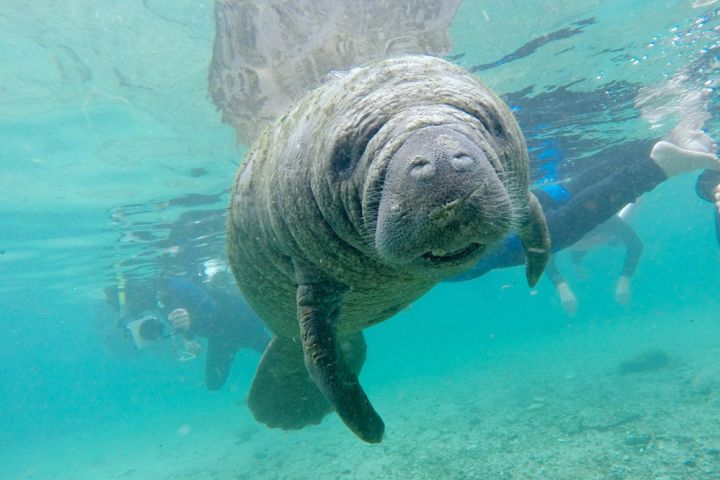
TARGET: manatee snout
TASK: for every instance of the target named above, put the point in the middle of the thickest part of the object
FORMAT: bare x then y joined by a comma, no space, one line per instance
442,200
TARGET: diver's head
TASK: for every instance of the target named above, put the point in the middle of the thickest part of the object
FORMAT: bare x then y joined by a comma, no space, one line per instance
220,279
217,273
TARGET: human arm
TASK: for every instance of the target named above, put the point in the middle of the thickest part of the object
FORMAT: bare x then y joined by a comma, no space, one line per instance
552,272
568,300
626,235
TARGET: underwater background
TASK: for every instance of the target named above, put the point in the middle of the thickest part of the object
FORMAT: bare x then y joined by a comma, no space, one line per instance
107,137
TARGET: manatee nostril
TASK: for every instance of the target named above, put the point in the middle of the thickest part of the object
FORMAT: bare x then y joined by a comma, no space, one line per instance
461,162
421,167
419,161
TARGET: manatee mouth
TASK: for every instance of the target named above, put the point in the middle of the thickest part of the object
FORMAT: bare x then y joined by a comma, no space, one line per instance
456,256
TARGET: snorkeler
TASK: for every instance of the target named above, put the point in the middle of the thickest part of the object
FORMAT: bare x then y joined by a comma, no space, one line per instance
616,176
177,309
217,313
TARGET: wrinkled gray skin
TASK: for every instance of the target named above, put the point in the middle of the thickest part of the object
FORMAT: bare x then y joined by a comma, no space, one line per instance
367,193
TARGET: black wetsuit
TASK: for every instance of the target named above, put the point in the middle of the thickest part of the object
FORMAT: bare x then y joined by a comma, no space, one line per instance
224,319
576,206
706,183
618,232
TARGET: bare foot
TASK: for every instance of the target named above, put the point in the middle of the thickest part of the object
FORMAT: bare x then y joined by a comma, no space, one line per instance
684,152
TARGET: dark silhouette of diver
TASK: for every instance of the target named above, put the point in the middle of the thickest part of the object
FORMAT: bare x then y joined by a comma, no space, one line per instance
214,310
222,317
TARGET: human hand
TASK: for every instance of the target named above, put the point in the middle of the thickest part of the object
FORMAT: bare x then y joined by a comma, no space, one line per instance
716,196
191,346
179,320
567,299
622,290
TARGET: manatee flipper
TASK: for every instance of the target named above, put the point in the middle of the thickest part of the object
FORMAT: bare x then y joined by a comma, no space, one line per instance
282,394
535,239
354,351
318,309
220,355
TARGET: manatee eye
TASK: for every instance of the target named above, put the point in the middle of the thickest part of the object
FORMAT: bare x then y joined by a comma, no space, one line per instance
342,161
350,149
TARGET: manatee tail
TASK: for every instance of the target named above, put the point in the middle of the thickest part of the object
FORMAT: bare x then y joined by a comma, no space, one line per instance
283,395
535,239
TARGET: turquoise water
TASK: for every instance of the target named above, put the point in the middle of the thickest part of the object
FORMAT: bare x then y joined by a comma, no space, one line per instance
104,123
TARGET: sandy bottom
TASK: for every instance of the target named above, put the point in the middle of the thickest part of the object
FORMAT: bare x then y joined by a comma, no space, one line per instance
642,404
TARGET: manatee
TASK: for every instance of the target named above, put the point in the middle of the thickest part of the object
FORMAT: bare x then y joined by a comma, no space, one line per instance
364,195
